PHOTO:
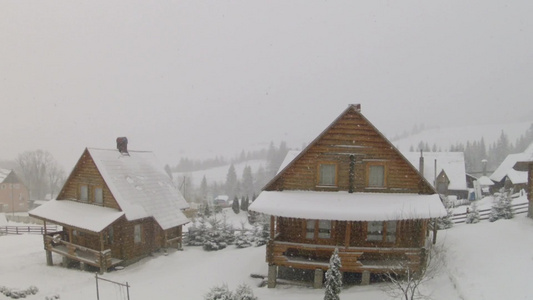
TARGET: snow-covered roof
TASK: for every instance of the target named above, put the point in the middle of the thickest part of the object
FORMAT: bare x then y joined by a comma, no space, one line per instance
141,186
506,168
344,206
3,174
81,215
453,163
484,180
291,155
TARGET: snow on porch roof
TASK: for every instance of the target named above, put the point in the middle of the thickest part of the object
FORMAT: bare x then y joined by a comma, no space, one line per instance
344,206
84,216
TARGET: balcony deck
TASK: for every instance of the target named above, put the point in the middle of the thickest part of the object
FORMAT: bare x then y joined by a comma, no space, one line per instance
354,259
99,259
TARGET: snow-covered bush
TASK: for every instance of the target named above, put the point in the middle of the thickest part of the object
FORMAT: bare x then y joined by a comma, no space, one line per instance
502,209
17,293
446,222
472,216
219,293
333,277
211,233
244,292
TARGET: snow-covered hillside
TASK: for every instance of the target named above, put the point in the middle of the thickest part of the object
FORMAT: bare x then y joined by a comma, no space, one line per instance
443,138
219,174
483,261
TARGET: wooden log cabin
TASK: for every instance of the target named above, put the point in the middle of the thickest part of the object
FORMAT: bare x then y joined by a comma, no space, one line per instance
116,207
349,189
526,165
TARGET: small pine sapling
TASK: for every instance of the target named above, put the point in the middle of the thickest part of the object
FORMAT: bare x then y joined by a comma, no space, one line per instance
244,292
502,209
333,277
235,205
219,293
472,216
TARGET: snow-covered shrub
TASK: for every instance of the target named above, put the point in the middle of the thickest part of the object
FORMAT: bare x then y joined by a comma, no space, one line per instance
502,209
472,216
219,293
244,292
52,297
333,277
446,221
16,293
211,233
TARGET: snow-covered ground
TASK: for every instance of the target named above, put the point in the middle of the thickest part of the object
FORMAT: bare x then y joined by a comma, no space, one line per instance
483,261
443,138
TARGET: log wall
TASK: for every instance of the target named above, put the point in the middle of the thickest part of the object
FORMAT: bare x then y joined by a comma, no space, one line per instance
353,135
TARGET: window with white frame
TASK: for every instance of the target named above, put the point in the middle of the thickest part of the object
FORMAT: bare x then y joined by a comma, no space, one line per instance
327,174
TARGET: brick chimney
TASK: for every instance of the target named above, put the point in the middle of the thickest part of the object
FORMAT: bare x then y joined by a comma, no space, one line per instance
122,145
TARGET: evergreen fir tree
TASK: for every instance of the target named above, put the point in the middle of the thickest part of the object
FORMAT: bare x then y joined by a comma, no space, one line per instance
244,203
333,277
235,205
247,181
231,182
502,209
472,216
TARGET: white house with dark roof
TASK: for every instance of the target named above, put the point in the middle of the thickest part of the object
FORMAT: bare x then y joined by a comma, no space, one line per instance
506,175
116,206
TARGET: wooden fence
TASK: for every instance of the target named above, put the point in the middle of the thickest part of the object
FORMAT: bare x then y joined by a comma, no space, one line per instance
27,229
520,208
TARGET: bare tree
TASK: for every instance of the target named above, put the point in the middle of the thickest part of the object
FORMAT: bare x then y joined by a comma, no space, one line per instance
405,281
56,178
40,172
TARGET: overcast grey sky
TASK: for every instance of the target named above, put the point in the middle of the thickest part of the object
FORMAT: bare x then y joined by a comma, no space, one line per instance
201,78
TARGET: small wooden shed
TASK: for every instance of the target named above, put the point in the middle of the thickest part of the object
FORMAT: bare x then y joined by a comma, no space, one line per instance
116,207
349,189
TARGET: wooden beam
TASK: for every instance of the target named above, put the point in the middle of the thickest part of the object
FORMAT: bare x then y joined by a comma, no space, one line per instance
272,227
347,234
101,236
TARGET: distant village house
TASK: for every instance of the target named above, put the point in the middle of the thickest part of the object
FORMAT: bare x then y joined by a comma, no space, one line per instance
14,195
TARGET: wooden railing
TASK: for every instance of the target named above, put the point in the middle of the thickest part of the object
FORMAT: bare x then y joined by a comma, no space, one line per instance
54,242
520,208
26,229
354,259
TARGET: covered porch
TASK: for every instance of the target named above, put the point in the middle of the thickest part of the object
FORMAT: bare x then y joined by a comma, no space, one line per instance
375,233
56,242
85,236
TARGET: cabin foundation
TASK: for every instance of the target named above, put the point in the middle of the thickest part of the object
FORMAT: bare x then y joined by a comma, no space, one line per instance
365,278
49,260
318,282
272,275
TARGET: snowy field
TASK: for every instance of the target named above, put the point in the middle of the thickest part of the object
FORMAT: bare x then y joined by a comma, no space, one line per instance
483,261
